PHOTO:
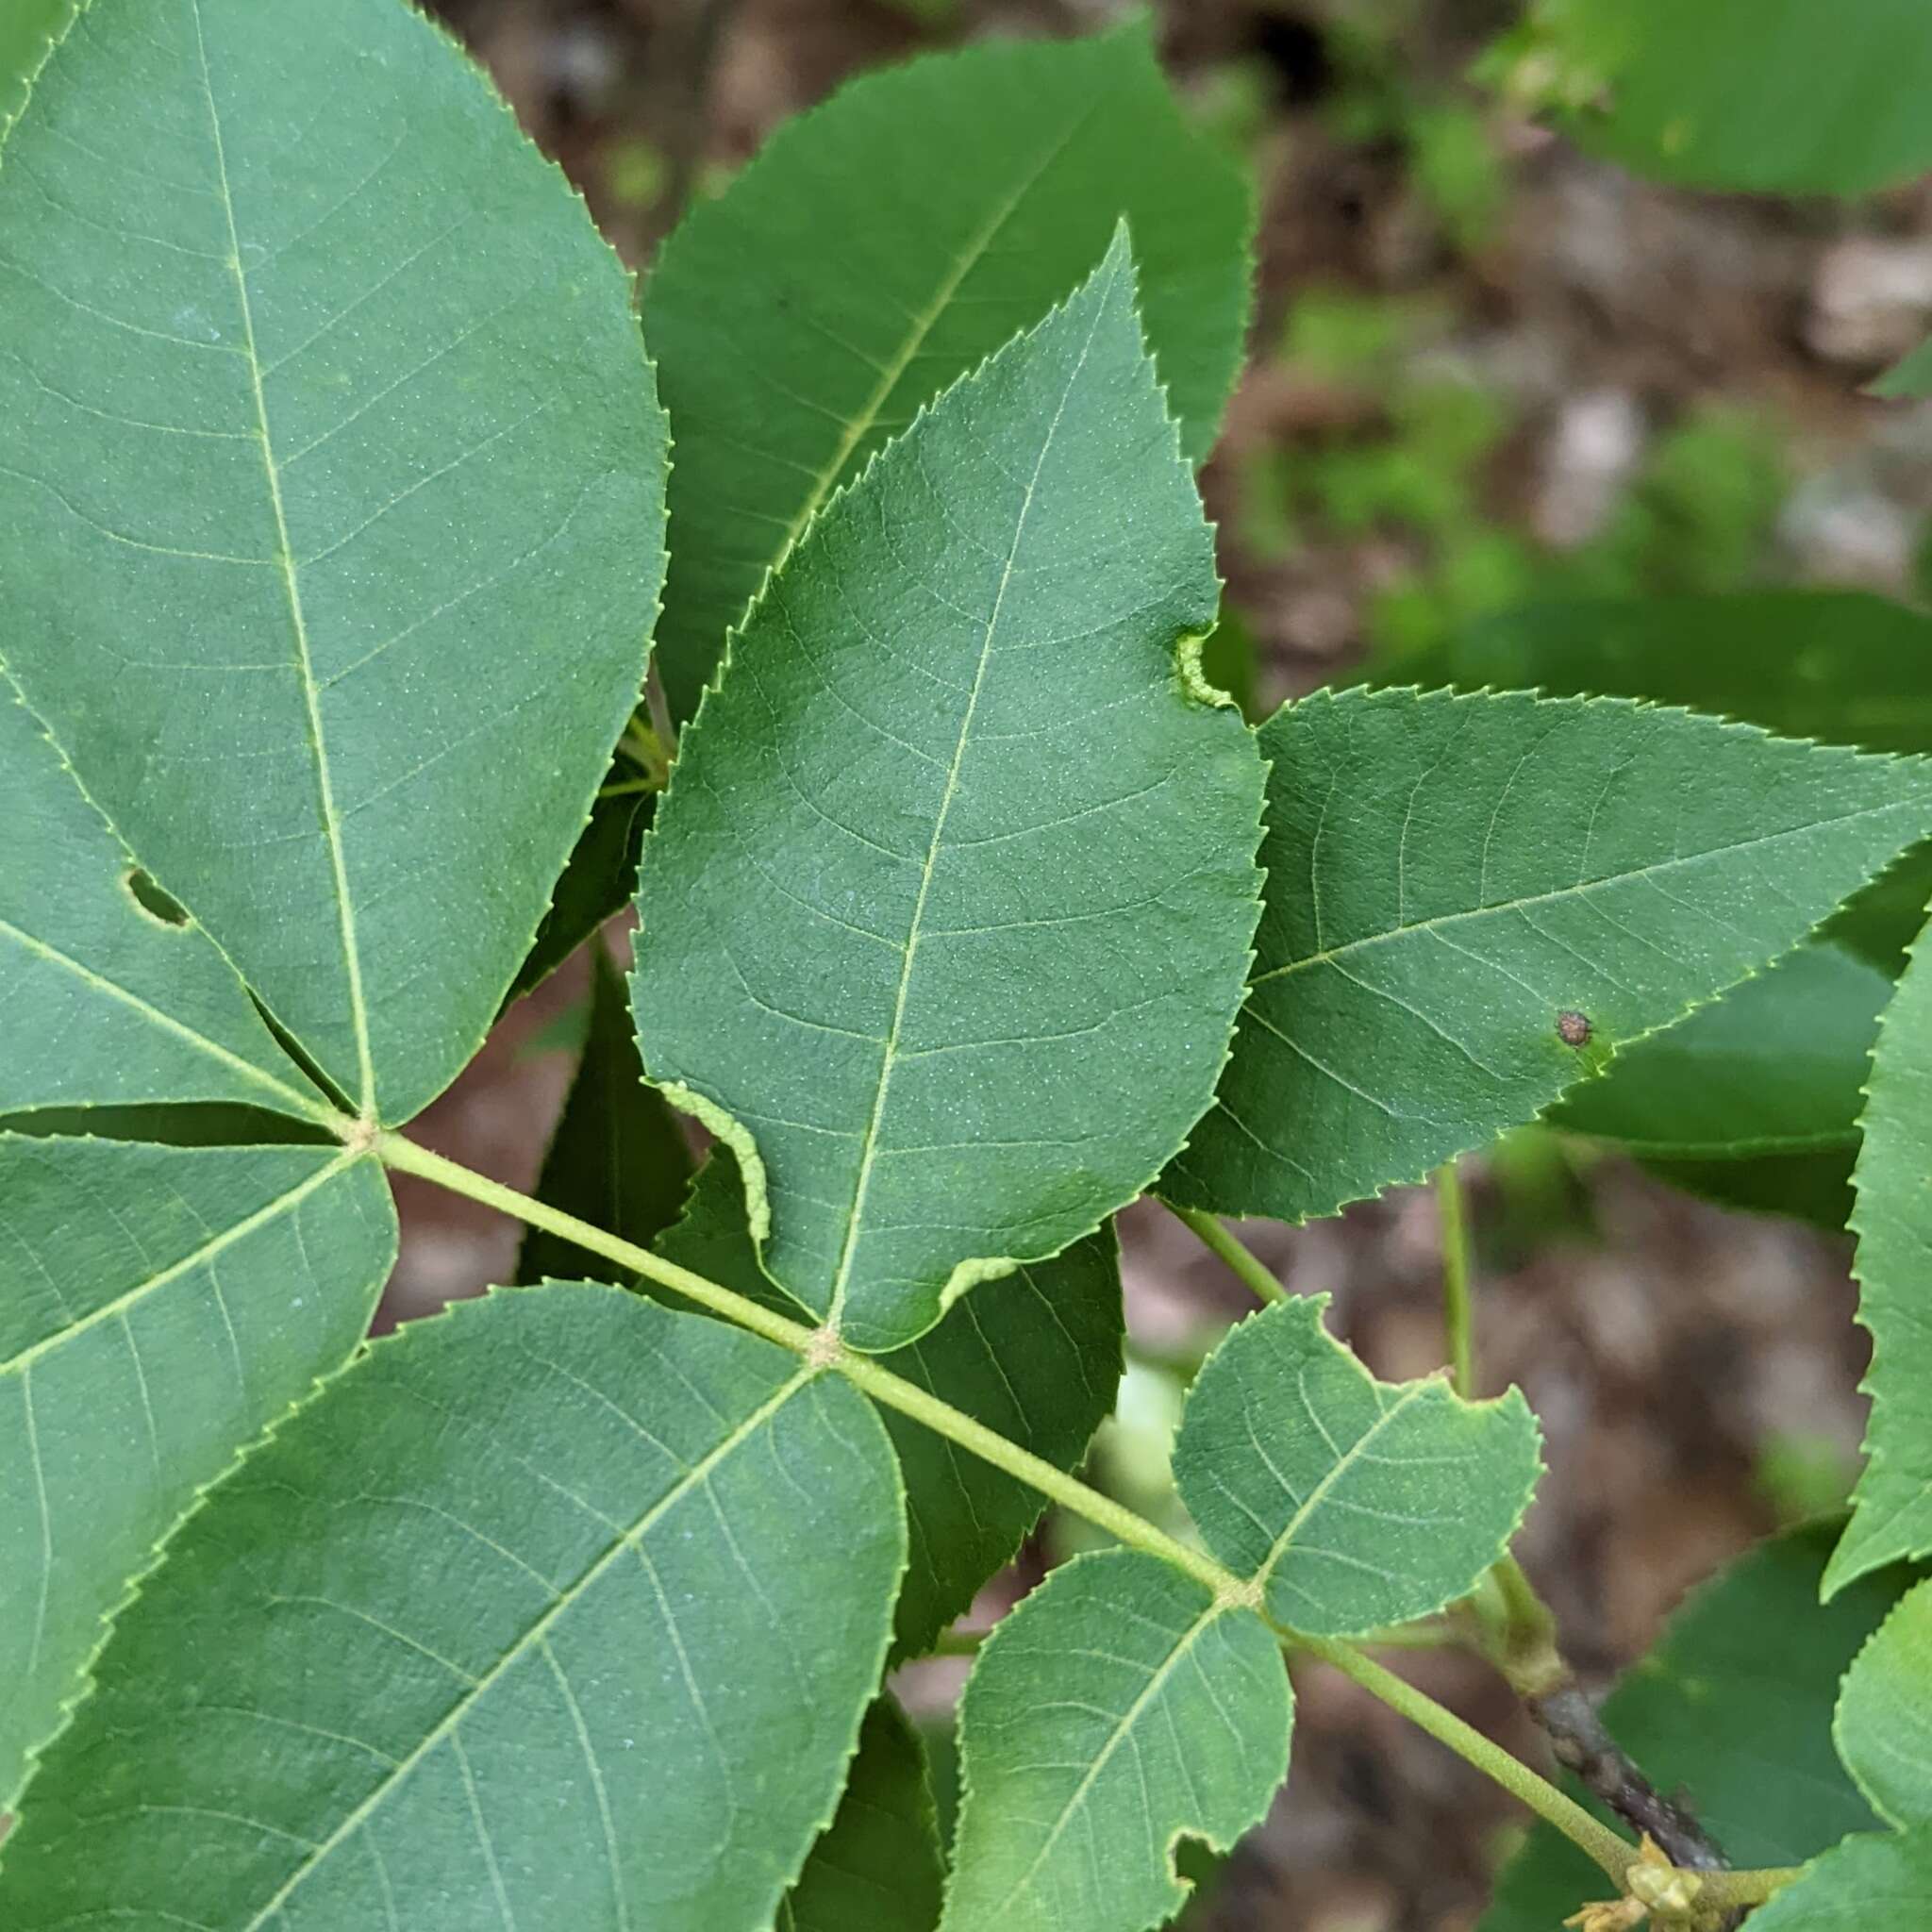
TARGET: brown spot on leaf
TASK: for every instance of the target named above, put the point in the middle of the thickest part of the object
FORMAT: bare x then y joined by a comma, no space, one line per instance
1572,1028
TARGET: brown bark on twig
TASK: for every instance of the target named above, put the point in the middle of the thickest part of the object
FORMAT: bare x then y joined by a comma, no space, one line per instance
1583,1745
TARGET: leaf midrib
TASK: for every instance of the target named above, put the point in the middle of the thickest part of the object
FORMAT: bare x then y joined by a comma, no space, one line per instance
869,1147
1581,890
285,557
1347,1460
535,1634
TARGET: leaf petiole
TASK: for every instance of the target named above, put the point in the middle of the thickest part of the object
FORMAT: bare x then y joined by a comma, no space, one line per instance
1457,1313
1245,1263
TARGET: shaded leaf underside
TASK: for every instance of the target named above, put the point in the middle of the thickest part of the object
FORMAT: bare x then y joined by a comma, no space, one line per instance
878,1866
617,1157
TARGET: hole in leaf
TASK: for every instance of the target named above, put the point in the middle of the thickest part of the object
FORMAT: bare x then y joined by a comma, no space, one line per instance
157,904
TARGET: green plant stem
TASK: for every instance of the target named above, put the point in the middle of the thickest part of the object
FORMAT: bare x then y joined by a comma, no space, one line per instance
625,787
1517,1631
643,746
1457,1315
406,1157
1248,1266
820,1346
1728,1890
1614,1853
1427,1634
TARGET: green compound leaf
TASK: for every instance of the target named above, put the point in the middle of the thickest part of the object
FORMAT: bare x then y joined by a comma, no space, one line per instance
1733,1709
881,246
618,1159
945,913
1891,1506
878,1867
1354,1503
1754,1100
105,1004
330,484
1117,1711
1773,96
1035,1354
1883,1728
1472,899
158,1307
1863,1883
558,1610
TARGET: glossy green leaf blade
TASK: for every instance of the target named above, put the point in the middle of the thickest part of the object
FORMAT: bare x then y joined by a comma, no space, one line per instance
1119,1708
1755,1099
945,913
101,1003
1891,1506
1883,1727
878,1867
330,484
618,1159
1354,1503
558,1610
1733,1709
1774,96
1472,899
159,1307
1863,1883
966,192
1035,1354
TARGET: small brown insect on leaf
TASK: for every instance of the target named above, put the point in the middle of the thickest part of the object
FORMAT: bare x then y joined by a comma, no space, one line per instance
1572,1028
